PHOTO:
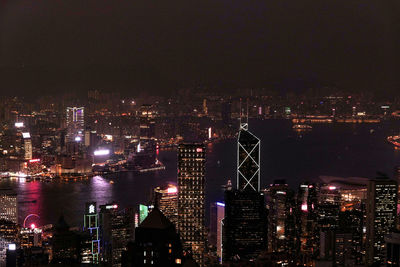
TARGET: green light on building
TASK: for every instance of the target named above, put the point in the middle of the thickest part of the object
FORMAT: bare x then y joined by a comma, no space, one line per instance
143,211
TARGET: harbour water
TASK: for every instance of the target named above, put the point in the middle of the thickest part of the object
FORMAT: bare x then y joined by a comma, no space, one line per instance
340,149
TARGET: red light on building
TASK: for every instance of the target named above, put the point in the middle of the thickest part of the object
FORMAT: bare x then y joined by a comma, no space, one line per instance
199,150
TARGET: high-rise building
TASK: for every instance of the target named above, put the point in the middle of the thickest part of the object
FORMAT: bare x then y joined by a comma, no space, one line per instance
115,227
245,223
306,221
8,205
328,207
281,222
381,216
156,243
91,250
28,148
349,248
248,160
392,241
75,119
166,200
8,236
147,115
244,226
217,214
191,198
65,245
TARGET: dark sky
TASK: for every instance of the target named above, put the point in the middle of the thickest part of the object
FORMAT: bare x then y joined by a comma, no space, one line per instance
153,45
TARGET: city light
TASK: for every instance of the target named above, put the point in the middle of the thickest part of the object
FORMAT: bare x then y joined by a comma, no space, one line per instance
78,139
209,133
220,204
19,124
33,226
198,150
172,190
101,152
114,206
304,207
26,135
34,160
108,137
332,187
12,247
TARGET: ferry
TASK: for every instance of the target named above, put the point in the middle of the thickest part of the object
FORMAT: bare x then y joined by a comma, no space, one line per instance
395,140
302,127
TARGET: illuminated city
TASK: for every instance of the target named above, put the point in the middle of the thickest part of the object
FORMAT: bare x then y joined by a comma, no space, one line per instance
209,133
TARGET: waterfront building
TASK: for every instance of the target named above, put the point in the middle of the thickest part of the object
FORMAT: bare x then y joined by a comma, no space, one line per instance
8,205
191,199
381,216
147,115
30,237
75,123
28,148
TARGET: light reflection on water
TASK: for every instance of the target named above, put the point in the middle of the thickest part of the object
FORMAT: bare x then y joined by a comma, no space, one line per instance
283,155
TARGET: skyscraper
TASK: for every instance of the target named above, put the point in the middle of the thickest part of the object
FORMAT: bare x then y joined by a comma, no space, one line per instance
115,230
245,223
166,200
328,208
8,205
306,220
8,235
75,124
248,160
27,147
156,243
191,196
381,216
217,214
147,116
90,253
280,204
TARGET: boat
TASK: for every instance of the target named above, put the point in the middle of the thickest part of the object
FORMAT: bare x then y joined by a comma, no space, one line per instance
302,127
395,140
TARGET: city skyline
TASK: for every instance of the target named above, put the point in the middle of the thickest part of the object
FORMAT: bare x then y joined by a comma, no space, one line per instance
200,133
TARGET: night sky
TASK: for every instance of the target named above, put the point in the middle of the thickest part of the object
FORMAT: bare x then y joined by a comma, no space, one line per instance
50,46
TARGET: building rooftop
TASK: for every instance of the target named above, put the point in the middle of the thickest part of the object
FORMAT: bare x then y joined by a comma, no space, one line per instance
156,220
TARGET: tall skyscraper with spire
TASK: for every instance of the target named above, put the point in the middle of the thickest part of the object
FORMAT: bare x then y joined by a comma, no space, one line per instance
245,222
248,160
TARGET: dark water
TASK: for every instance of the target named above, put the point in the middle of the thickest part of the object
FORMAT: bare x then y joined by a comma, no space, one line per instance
345,150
